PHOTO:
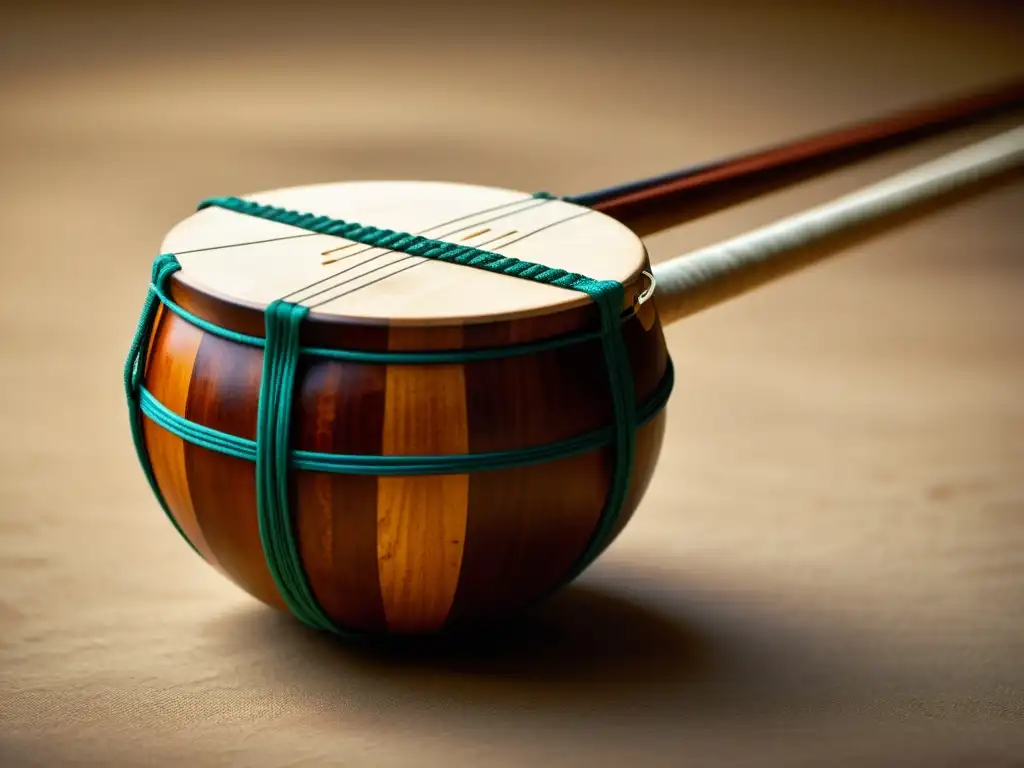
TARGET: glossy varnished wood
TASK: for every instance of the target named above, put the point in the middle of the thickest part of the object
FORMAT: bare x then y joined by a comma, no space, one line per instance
421,520
339,409
173,347
526,524
686,195
224,395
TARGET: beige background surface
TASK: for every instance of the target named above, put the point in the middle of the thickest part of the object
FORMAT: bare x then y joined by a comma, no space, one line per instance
829,566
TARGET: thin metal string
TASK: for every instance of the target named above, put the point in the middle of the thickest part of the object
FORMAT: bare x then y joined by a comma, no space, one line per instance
385,251
315,234
379,279
251,242
422,260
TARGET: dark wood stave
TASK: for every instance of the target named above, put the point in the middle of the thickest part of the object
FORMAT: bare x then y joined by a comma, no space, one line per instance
342,408
173,347
223,488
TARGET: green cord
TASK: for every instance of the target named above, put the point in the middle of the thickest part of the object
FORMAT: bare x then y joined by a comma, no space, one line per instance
273,430
620,376
135,371
407,465
245,449
415,245
271,451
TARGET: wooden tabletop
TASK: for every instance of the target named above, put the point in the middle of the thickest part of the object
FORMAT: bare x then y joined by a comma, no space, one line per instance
828,568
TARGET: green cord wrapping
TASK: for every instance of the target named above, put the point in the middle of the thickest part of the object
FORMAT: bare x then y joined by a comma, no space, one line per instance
610,296
402,242
135,370
273,430
367,464
272,452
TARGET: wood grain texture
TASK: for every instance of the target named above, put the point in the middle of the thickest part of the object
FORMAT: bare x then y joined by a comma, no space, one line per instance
340,409
711,187
224,395
526,524
173,346
421,521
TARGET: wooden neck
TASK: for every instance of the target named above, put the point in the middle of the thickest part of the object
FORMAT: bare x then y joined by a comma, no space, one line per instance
713,275
655,204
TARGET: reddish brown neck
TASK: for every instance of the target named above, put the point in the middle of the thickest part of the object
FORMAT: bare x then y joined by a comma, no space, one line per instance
659,203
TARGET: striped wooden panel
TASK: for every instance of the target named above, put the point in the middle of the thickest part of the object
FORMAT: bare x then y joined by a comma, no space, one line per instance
342,409
421,521
403,554
223,488
172,355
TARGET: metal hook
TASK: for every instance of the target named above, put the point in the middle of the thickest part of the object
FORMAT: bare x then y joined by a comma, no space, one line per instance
646,315
649,292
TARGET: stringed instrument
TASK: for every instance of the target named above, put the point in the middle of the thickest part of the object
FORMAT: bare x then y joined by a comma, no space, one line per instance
402,407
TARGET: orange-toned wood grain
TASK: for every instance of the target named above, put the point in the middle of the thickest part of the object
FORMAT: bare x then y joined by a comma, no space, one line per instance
421,521
340,409
173,347
224,395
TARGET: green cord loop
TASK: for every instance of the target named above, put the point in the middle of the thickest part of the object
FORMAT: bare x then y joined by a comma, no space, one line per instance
135,370
407,465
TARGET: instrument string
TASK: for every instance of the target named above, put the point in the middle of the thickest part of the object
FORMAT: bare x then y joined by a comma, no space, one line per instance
385,251
420,260
373,282
251,242
524,206
316,234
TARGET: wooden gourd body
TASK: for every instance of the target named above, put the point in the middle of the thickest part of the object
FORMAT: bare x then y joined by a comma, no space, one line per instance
402,553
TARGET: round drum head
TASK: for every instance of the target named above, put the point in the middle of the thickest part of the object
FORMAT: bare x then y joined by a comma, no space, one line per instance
252,261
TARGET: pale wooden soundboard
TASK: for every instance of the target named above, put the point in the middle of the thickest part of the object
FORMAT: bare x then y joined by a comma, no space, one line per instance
267,260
